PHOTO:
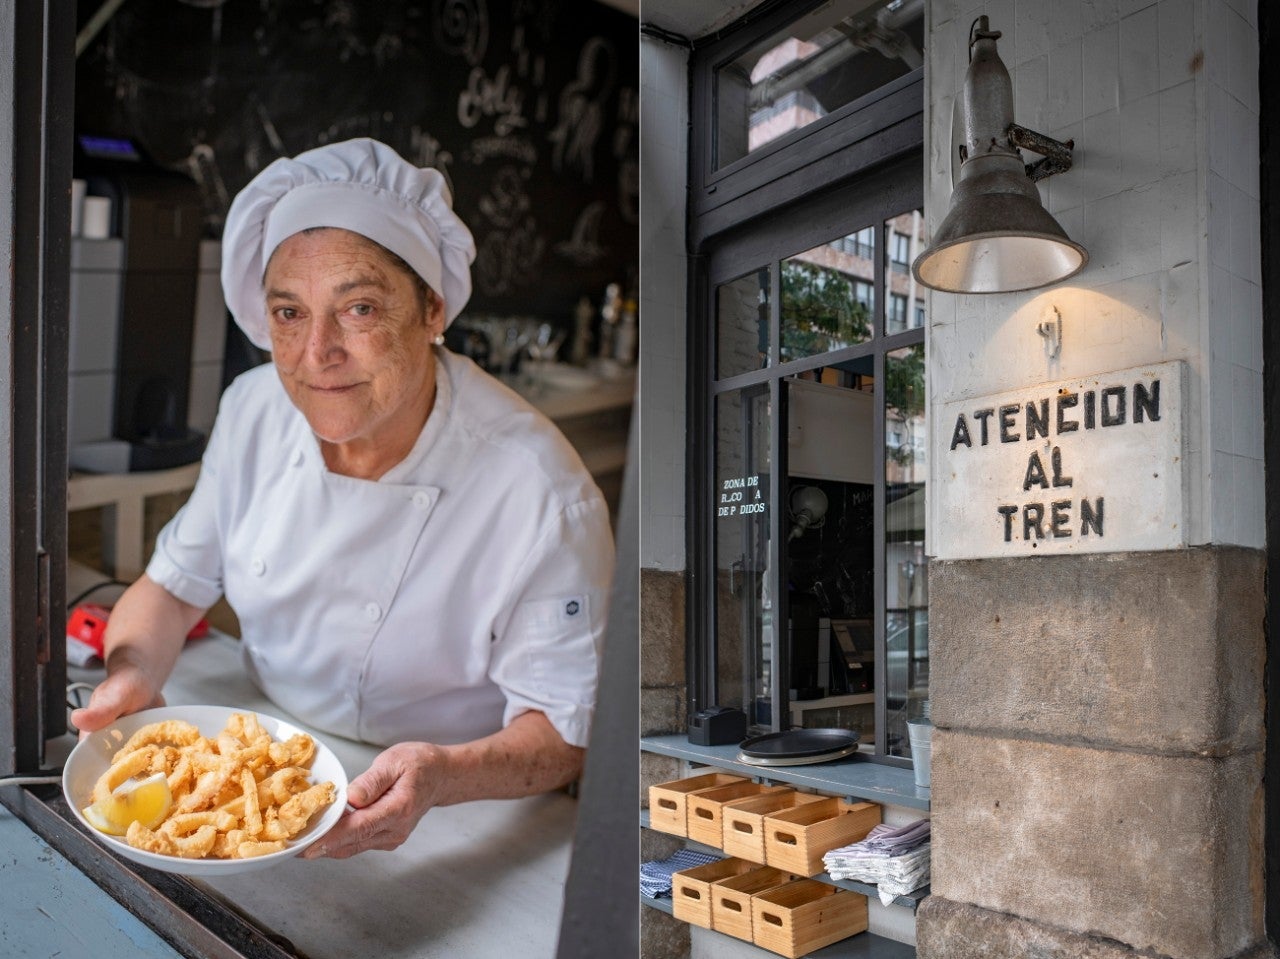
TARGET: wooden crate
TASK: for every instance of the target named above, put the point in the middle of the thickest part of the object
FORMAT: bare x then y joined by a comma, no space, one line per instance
743,820
691,888
667,801
731,899
705,809
795,839
799,917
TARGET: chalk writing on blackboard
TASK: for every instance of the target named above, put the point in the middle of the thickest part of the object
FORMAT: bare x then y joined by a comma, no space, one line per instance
508,259
462,27
583,247
496,97
581,115
528,107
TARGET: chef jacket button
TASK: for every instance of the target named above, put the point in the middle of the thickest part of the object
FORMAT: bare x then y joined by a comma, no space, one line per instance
297,458
421,499
257,566
373,611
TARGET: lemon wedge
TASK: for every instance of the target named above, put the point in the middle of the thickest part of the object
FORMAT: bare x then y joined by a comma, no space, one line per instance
138,800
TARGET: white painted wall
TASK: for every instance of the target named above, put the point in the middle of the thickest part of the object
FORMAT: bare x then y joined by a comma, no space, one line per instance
1161,99
664,112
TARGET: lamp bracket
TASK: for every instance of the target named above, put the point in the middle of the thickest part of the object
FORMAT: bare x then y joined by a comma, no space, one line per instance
1055,156
1051,330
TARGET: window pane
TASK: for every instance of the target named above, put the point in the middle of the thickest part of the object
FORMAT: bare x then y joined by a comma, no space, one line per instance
742,324
830,548
828,296
903,241
906,569
814,66
744,608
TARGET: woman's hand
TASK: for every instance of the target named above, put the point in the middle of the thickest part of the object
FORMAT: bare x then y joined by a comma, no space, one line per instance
145,633
526,757
389,799
127,689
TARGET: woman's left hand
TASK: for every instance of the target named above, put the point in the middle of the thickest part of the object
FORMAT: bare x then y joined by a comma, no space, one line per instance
389,798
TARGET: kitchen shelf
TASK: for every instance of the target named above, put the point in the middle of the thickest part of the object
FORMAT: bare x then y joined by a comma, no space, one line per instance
911,900
855,777
864,945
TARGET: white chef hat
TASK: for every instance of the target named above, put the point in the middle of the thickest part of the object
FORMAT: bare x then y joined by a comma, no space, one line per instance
360,185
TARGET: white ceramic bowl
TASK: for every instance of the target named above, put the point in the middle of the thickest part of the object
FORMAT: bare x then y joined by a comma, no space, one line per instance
92,757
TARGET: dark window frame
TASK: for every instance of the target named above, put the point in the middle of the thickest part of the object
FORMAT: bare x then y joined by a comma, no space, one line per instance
859,135
862,162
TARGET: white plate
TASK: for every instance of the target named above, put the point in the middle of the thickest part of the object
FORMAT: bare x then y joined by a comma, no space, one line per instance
92,757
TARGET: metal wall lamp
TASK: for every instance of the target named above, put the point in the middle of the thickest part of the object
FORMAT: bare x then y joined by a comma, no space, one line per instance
997,237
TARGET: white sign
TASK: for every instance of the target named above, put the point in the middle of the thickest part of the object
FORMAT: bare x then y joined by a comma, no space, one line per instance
1079,466
740,496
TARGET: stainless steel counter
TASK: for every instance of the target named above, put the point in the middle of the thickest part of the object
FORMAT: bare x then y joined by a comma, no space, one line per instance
472,882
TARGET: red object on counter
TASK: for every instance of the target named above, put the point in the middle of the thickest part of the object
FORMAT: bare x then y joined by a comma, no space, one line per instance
88,624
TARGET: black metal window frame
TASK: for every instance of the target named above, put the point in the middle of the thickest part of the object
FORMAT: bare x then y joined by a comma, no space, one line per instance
37,68
857,136
854,168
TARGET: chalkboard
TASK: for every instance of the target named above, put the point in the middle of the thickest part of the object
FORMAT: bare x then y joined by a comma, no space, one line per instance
529,107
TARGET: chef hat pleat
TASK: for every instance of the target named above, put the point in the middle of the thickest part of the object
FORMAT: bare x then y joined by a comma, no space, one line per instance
359,185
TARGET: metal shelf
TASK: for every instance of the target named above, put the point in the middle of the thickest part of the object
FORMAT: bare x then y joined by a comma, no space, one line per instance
864,945
855,777
911,900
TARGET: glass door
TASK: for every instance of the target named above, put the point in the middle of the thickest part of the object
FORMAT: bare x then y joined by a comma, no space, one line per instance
745,608
815,487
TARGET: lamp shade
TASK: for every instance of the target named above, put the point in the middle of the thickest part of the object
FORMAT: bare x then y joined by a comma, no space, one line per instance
997,238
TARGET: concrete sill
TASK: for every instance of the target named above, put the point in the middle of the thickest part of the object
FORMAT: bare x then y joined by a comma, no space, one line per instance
855,778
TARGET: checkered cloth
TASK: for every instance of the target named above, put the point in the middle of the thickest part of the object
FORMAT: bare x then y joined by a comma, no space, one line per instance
655,877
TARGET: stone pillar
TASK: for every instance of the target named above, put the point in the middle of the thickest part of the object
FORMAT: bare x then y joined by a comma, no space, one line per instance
662,710
1097,766
1097,770
662,645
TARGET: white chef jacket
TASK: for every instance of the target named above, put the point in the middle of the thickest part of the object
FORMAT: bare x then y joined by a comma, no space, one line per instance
464,587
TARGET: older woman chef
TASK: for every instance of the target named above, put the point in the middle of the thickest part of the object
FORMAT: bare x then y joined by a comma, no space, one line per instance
418,559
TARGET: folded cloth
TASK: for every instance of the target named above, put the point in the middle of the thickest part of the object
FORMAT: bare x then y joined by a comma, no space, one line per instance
895,841
655,876
895,859
884,841
894,876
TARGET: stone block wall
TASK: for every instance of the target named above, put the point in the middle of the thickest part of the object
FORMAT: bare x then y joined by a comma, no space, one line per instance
1097,770
1097,767
662,660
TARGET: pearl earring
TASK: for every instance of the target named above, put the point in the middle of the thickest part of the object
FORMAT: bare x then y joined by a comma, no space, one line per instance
439,340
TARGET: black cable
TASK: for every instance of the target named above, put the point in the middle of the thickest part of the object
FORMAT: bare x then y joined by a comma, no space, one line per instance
71,603
73,694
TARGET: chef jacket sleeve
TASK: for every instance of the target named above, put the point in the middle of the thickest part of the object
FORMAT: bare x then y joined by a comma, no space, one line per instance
187,560
546,657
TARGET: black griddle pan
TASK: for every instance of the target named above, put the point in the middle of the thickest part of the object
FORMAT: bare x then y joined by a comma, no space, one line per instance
794,747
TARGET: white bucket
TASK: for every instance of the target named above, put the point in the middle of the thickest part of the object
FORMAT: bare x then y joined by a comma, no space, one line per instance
920,733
